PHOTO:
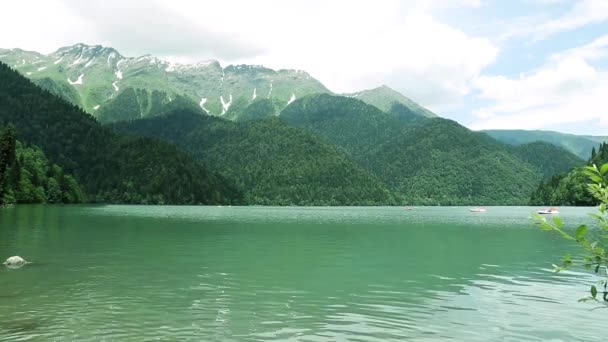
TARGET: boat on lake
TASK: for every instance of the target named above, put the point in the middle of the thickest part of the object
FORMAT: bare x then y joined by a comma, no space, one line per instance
478,210
548,211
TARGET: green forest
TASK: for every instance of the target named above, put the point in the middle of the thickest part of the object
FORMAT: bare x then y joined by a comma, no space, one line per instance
326,150
273,163
570,188
428,161
27,176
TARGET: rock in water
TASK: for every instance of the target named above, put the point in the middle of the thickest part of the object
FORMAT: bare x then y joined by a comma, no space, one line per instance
15,262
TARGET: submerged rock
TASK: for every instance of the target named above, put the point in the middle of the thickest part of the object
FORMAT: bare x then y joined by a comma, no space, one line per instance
15,262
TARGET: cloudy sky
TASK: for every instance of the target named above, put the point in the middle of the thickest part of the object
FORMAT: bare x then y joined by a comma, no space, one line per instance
528,64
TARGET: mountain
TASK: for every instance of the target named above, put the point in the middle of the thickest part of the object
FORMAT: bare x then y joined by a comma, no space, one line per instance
95,76
133,104
257,110
442,162
275,164
549,159
351,124
570,188
579,145
384,97
111,167
431,161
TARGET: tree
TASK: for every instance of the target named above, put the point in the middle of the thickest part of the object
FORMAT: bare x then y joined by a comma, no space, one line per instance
594,244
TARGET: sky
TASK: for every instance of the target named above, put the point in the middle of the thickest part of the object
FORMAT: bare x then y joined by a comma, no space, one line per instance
488,64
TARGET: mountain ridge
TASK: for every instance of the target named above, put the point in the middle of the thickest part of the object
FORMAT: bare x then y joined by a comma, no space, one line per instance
98,75
384,97
580,145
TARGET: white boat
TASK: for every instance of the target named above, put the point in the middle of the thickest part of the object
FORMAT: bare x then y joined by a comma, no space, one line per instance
549,211
478,210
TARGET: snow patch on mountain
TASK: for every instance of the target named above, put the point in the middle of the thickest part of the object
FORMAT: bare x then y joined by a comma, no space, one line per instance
59,60
254,94
78,60
225,105
115,86
41,68
111,56
89,62
78,81
170,67
118,72
292,98
270,91
202,104
96,107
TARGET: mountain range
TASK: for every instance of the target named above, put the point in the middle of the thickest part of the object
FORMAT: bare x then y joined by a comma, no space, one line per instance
204,133
93,77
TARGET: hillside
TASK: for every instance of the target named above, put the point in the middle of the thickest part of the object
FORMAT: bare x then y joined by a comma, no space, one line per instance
111,167
275,164
549,159
350,124
432,161
579,145
441,162
384,97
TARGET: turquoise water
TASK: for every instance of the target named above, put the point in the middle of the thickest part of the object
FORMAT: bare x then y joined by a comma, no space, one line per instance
132,273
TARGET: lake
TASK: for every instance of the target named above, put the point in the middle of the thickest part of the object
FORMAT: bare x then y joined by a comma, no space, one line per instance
132,273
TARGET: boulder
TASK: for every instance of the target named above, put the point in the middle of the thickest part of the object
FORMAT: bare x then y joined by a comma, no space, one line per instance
15,262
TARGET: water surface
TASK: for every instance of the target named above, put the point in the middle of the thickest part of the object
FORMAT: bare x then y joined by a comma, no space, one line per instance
132,273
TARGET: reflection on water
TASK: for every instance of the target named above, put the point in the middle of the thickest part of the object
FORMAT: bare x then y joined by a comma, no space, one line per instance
298,274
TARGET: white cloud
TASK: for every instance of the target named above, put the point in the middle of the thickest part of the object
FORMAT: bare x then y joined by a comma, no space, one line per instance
41,26
583,13
541,27
348,45
568,89
355,45
154,27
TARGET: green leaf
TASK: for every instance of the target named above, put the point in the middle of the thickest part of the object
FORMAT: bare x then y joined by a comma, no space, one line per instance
593,291
581,232
567,262
596,178
604,169
558,221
